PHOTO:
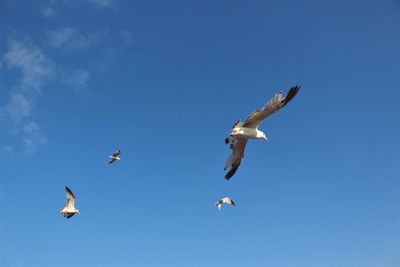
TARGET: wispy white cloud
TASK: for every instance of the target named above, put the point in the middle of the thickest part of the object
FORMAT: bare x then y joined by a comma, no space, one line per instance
102,3
7,150
32,62
32,137
17,108
48,11
108,56
36,69
30,128
70,38
77,79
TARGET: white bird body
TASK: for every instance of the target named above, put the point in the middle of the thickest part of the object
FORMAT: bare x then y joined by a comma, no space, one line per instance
115,156
241,132
249,133
226,200
69,209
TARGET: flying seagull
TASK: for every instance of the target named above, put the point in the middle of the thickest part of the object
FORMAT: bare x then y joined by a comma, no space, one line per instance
69,209
241,132
226,200
115,156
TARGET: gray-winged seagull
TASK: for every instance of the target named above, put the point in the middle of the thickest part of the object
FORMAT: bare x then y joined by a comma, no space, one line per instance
69,209
226,200
115,156
241,132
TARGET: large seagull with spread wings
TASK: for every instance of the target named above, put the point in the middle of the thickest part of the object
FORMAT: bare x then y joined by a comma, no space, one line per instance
241,132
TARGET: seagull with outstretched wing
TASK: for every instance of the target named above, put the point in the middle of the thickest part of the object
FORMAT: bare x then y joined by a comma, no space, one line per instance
69,209
115,156
241,132
226,200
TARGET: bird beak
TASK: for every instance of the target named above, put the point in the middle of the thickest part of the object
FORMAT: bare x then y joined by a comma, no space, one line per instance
266,138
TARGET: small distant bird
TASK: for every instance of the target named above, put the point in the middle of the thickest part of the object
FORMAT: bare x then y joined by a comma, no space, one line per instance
115,156
69,209
226,200
241,132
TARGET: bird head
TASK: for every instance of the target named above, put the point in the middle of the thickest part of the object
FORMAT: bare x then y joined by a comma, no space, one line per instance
265,137
261,135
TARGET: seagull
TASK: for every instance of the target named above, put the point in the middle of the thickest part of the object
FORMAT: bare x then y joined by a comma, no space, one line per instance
69,209
226,200
241,132
115,156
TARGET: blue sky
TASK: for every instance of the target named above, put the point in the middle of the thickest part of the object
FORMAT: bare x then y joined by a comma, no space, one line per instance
164,81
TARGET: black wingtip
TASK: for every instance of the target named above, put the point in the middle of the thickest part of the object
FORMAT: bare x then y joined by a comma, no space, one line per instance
227,140
229,175
69,191
232,171
291,94
293,91
236,123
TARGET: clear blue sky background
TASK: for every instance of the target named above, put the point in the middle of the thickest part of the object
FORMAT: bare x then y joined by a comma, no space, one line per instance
164,81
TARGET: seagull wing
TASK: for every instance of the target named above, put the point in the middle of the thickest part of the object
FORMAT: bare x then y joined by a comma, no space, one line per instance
219,202
234,159
111,161
69,215
70,198
116,153
275,104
